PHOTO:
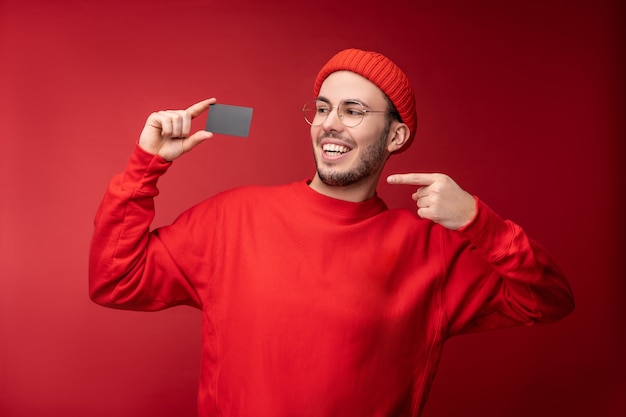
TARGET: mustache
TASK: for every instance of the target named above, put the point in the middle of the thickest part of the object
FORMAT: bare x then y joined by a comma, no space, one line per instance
331,135
335,135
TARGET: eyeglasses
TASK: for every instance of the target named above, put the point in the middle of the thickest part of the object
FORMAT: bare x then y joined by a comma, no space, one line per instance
350,112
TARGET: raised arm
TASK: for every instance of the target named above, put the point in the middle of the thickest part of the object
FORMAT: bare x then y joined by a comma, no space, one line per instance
130,267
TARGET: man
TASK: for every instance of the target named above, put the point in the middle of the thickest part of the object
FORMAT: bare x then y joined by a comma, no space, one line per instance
316,299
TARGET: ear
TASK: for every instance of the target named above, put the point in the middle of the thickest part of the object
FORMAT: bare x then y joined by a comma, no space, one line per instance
398,136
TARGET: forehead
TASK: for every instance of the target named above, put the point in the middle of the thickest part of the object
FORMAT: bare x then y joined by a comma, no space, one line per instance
347,85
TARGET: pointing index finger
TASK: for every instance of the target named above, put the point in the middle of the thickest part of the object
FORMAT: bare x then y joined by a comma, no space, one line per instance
200,107
411,179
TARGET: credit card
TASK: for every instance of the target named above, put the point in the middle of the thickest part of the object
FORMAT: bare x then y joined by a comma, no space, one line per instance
230,120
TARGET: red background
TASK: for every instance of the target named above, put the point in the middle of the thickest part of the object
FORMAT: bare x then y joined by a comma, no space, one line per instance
520,102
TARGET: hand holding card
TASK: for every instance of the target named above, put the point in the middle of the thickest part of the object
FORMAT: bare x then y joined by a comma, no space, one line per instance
229,120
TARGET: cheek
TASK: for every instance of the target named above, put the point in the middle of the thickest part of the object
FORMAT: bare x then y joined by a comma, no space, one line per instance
315,132
367,139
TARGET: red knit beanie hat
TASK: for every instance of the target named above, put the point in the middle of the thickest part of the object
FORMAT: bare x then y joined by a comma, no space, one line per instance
381,71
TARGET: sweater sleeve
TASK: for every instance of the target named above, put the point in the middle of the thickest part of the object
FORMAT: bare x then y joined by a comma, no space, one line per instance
129,266
499,277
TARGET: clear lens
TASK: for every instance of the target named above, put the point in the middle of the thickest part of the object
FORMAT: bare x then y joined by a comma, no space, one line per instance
315,112
350,112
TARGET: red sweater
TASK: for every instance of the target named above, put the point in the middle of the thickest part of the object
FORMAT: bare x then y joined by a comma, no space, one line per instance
313,306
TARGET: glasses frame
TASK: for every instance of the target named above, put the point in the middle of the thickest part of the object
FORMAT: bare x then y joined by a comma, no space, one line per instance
339,114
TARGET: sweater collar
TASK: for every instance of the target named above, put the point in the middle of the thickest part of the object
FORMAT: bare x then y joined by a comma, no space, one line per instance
339,208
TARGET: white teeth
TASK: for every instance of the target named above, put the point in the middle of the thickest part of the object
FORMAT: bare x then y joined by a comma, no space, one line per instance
331,147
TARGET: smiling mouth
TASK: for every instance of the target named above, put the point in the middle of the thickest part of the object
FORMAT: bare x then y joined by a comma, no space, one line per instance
335,150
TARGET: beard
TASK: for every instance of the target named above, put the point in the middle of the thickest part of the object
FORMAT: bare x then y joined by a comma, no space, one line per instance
370,163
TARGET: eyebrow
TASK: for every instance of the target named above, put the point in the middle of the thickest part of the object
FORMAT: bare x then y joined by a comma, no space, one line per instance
348,100
324,99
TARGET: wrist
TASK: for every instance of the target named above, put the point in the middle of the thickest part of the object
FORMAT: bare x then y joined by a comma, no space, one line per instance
472,211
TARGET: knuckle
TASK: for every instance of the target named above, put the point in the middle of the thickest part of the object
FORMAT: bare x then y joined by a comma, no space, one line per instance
439,177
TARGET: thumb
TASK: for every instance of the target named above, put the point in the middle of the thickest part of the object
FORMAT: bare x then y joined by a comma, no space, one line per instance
196,139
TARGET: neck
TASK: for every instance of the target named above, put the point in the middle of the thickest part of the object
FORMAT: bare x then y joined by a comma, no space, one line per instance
355,193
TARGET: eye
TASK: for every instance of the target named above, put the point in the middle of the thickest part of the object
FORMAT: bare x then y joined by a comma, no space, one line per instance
322,108
354,110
